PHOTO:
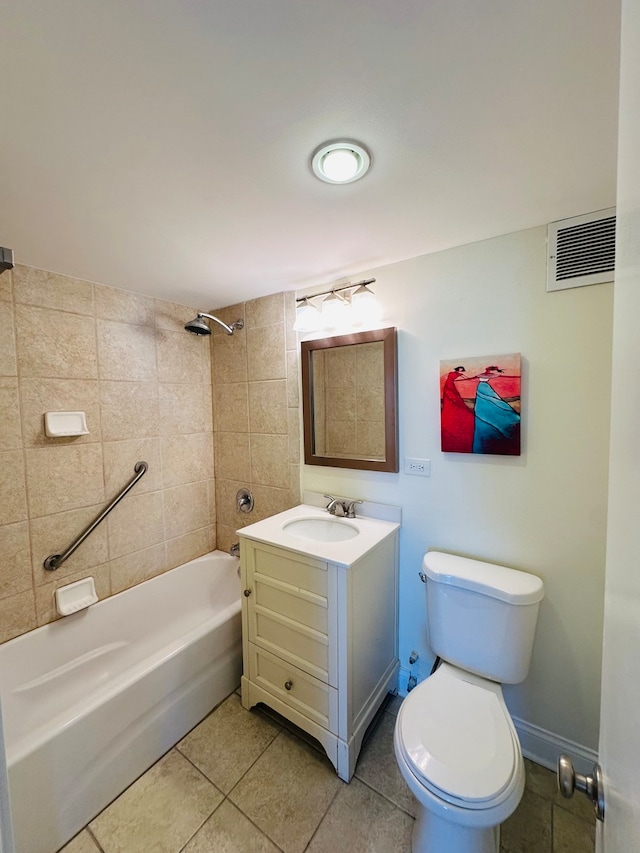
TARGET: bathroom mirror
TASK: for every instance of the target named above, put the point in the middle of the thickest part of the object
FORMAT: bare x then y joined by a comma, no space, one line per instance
349,400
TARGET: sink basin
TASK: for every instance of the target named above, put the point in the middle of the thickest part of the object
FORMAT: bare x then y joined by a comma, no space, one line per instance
321,529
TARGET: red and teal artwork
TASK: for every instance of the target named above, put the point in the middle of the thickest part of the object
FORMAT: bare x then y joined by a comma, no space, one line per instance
480,404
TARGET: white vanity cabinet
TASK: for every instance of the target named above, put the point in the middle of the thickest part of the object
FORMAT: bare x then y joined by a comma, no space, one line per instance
320,638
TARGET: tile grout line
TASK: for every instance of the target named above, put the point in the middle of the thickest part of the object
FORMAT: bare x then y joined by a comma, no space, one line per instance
384,796
94,839
322,819
226,796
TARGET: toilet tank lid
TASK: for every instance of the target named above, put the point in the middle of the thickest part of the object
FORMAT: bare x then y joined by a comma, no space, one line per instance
510,585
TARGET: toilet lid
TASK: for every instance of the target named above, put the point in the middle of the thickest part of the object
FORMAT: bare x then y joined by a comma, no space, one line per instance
457,737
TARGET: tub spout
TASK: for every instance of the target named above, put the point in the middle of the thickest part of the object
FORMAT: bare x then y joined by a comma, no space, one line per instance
235,549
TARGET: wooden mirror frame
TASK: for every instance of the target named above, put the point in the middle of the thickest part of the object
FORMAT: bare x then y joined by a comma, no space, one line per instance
390,350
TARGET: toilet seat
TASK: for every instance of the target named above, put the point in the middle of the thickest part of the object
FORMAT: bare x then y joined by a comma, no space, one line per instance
457,737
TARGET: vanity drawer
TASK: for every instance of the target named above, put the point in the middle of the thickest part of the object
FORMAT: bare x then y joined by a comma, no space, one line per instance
294,604
304,647
296,570
306,694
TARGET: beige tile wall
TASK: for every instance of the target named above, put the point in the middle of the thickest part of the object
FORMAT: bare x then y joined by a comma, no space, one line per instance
145,385
256,412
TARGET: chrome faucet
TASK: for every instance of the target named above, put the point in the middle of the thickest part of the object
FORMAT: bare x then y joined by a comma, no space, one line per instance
340,508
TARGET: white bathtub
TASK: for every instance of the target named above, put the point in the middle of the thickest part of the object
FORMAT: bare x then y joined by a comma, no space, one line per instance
92,700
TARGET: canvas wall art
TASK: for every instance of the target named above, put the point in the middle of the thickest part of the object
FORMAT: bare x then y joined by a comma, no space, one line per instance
480,404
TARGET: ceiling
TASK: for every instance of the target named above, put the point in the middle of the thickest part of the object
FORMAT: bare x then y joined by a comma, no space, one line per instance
163,147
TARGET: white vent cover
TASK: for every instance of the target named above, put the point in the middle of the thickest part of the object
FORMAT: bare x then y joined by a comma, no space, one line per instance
582,250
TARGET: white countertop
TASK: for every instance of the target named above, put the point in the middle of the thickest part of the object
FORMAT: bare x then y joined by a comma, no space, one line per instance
271,531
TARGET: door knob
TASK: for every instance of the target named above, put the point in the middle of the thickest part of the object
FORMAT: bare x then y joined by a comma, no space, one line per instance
593,786
247,593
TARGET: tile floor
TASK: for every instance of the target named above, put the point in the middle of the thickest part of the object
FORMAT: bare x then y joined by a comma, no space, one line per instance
247,782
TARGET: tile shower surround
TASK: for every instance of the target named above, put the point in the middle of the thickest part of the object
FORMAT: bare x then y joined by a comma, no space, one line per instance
256,412
146,386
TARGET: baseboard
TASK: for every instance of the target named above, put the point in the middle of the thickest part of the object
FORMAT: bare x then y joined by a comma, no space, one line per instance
544,747
537,743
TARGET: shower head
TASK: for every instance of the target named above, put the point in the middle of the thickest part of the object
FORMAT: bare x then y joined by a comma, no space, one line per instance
199,327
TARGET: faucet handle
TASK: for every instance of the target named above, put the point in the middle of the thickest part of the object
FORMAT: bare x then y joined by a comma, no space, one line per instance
351,508
335,506
331,506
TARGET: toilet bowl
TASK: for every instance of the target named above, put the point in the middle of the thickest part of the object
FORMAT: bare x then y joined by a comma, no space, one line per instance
458,752
455,743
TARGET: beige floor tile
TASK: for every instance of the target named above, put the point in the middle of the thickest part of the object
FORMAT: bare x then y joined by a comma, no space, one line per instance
578,805
287,792
377,767
528,830
542,781
361,821
571,834
292,728
82,843
228,742
160,812
393,704
229,831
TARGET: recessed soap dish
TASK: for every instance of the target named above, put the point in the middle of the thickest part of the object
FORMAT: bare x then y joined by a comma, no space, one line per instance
75,596
59,424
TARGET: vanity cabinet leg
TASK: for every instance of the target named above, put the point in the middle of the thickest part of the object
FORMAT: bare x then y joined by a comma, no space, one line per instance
346,761
245,687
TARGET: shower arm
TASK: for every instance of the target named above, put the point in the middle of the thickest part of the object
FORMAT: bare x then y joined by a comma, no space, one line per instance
228,329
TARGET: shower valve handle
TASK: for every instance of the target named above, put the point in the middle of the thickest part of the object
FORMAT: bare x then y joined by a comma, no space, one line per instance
244,500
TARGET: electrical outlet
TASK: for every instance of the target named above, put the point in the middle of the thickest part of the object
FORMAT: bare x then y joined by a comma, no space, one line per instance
420,467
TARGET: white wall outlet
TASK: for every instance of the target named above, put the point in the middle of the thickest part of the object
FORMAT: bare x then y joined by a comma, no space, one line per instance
420,467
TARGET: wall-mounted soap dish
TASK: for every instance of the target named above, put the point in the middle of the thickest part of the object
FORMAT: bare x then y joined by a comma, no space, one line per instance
75,596
60,424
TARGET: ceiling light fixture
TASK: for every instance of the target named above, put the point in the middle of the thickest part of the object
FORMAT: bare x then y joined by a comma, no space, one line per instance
340,162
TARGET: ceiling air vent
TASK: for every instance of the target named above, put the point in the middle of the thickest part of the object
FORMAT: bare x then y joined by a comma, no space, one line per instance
582,250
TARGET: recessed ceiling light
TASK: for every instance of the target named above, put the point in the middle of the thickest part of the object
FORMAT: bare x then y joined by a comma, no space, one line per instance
340,162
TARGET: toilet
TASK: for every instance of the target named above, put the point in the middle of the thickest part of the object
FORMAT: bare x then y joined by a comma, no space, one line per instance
454,740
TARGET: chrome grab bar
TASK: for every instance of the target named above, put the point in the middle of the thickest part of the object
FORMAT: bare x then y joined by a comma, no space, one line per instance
54,561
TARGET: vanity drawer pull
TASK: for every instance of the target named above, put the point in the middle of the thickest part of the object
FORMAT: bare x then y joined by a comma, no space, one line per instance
247,593
288,685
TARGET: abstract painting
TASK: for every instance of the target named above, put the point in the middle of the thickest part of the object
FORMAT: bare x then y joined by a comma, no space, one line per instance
480,404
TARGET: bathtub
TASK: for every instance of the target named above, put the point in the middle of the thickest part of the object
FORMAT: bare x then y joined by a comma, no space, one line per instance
92,700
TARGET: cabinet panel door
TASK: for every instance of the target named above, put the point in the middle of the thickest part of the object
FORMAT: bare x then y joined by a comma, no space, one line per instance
296,688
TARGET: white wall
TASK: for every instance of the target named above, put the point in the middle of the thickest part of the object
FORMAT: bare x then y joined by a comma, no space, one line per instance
544,511
619,743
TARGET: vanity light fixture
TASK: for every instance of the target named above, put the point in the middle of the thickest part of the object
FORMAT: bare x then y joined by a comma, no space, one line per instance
365,305
348,304
335,310
340,162
308,316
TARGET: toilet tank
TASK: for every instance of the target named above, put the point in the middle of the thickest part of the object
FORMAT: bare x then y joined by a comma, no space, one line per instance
481,616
